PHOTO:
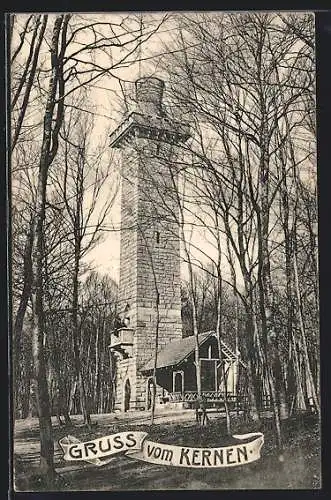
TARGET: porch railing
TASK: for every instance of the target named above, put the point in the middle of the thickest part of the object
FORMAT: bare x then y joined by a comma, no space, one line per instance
214,399
236,402
208,395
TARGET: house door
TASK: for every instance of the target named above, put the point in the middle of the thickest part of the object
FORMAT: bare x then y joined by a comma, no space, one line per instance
208,374
178,382
150,392
127,395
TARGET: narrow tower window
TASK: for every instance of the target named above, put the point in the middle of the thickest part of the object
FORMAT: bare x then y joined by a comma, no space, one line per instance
157,237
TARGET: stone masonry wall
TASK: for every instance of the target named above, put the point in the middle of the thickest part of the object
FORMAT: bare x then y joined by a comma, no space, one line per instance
150,261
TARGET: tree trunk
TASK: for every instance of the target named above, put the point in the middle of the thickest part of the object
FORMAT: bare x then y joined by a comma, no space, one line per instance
55,363
250,350
75,333
303,337
219,345
97,369
39,361
20,314
299,396
269,352
112,389
194,320
29,80
43,404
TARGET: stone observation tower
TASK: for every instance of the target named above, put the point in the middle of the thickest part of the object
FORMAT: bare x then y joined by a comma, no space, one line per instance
149,289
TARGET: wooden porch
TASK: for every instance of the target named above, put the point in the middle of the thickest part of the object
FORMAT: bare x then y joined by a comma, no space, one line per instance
215,399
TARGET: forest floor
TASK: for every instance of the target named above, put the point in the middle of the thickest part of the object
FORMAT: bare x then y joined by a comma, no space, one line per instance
298,467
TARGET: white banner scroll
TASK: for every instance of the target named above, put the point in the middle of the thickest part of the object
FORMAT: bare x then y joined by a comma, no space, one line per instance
135,445
106,446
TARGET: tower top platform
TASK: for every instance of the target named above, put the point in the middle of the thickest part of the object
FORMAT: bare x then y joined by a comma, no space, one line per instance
149,119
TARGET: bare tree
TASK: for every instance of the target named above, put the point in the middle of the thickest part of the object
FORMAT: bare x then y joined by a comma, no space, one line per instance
238,100
81,184
71,66
47,155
